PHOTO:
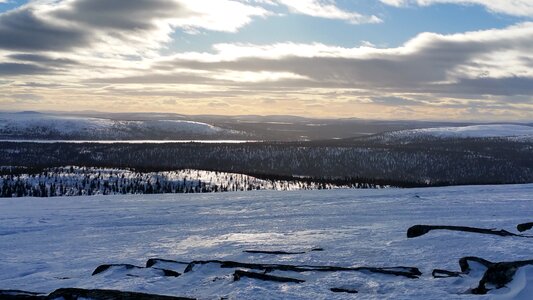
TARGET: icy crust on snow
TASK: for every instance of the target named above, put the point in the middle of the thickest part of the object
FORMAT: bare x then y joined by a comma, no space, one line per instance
58,242
474,131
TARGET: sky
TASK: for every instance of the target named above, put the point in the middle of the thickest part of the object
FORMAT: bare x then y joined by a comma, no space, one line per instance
374,59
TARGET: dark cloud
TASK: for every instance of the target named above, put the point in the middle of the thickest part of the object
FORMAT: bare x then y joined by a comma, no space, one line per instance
22,30
118,14
506,86
34,64
76,24
43,59
14,69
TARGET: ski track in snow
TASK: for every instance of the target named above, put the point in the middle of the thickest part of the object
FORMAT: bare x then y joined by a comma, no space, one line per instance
58,242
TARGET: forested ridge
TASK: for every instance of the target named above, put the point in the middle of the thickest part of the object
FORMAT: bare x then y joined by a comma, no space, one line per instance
423,162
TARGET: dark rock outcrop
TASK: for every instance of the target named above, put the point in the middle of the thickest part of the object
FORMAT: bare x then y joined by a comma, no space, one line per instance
153,261
73,294
265,277
20,295
343,290
524,226
409,272
279,252
497,274
103,268
465,266
419,230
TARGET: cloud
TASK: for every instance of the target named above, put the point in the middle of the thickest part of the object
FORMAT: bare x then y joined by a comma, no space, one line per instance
515,7
427,63
42,59
23,30
326,9
115,26
394,101
103,53
16,69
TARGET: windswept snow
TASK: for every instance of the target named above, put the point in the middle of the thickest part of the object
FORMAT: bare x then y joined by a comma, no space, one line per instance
58,242
474,131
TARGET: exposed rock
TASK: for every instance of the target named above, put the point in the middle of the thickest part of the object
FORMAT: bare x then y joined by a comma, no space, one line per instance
465,267
497,274
419,230
409,272
73,294
278,252
273,252
20,295
153,261
261,276
103,268
343,290
524,226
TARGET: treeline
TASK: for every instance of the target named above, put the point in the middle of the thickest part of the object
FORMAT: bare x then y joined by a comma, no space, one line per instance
76,181
414,163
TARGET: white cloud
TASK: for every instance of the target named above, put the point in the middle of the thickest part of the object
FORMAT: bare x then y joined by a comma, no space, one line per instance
261,76
484,62
510,7
220,15
326,9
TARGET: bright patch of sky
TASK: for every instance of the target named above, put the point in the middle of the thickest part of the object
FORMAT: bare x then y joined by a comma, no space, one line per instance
398,26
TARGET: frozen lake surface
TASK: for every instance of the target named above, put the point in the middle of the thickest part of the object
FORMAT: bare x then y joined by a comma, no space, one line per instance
48,243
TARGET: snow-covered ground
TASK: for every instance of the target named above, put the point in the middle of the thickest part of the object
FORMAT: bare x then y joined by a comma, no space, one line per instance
54,126
474,131
58,242
86,181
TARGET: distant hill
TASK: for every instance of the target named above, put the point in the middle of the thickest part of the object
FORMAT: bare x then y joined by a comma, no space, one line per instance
32,125
92,125
474,131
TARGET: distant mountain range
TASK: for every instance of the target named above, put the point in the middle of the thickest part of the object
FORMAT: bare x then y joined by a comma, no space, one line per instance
30,125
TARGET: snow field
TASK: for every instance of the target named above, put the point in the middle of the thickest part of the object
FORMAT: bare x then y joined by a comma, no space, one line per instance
58,242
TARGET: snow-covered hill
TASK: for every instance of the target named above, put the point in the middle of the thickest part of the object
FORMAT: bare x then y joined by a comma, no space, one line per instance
83,181
58,242
32,125
474,131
